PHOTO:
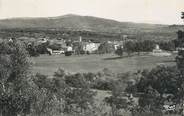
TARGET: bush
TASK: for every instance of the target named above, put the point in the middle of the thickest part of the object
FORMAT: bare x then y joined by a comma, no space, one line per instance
102,85
32,51
75,80
119,51
82,52
55,46
68,53
154,85
91,77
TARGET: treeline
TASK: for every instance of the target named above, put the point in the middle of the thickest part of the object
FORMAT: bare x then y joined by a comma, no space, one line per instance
37,49
58,33
33,50
168,45
144,46
162,86
104,48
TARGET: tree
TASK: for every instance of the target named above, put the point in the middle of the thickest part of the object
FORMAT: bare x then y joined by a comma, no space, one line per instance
105,48
129,47
151,101
60,73
79,99
49,97
119,51
169,46
31,48
180,45
155,86
182,15
148,45
138,47
116,100
77,95
14,76
179,60
42,48
78,47
23,93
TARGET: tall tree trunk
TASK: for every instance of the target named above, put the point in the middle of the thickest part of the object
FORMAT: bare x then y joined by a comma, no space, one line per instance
114,110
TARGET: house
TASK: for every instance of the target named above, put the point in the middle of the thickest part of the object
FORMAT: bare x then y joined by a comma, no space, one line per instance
84,45
52,52
159,52
58,52
56,46
117,44
91,47
69,49
157,49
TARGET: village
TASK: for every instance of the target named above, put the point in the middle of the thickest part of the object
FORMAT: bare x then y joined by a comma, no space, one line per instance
61,46
91,58
80,46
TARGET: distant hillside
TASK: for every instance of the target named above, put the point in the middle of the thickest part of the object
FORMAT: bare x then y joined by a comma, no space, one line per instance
74,22
89,23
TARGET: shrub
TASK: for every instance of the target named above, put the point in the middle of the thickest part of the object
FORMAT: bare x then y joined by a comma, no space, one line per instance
68,53
75,80
102,84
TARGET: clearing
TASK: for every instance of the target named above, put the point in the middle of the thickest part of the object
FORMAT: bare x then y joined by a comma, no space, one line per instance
47,65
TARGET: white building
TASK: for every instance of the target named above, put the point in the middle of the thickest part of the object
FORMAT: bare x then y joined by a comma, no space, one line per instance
57,52
69,49
91,47
158,52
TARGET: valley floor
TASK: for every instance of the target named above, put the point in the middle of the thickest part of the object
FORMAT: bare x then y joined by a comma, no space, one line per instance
47,65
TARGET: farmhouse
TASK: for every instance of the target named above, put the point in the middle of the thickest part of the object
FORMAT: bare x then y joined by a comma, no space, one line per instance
91,47
69,49
85,45
117,44
52,52
58,52
57,46
158,52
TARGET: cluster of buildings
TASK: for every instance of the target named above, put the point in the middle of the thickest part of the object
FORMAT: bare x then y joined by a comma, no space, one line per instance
86,46
78,46
63,46
81,45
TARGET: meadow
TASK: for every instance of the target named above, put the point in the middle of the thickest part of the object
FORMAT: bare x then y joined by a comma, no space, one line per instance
47,65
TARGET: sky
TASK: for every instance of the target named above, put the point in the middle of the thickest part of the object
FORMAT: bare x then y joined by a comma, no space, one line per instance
140,11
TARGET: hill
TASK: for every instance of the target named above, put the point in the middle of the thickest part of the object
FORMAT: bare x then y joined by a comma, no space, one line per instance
93,24
77,22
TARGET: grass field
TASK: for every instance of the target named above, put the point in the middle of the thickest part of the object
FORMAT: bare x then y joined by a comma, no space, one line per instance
92,63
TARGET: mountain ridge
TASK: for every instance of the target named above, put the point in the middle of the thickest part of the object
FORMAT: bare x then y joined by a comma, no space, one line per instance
72,21
71,15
